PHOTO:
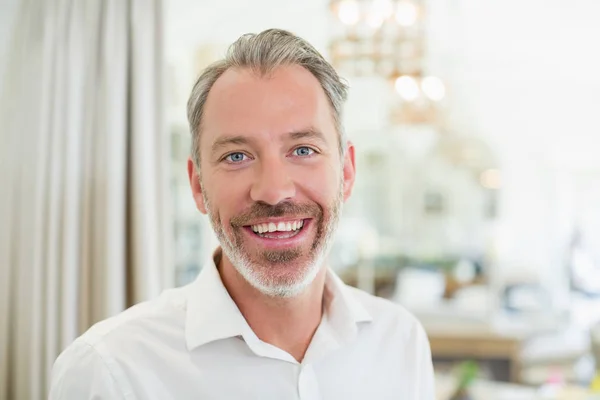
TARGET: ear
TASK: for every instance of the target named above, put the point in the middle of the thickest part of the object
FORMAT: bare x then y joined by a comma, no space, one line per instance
349,170
194,177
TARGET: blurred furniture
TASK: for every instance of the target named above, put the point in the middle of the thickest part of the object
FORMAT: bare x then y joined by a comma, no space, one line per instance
487,390
455,341
467,328
571,350
565,352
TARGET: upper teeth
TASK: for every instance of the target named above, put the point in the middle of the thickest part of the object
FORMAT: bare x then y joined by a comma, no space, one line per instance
281,226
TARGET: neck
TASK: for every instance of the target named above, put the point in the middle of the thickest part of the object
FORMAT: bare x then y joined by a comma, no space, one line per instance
287,323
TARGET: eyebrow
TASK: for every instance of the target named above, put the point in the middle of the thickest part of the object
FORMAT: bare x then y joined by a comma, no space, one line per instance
309,133
227,140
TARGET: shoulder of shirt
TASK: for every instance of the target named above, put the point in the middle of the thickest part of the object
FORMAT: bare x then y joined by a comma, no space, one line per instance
170,306
92,355
385,312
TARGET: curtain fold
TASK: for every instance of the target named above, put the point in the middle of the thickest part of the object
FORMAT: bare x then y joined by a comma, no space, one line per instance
84,213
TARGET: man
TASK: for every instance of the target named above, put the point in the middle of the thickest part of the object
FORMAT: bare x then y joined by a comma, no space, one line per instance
265,319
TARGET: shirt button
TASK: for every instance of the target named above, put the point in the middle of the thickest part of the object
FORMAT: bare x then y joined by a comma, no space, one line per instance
308,387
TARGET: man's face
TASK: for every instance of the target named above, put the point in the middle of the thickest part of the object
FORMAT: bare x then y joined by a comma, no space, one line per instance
272,179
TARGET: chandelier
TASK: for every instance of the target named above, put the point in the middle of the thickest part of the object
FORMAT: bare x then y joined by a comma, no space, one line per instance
386,38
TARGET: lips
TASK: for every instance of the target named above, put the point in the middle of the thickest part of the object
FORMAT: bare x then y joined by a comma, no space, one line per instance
279,239
264,214
277,226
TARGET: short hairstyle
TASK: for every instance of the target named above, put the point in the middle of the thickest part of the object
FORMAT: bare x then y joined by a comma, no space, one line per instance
263,53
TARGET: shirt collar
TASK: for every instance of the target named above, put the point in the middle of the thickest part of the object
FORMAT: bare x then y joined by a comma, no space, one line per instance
213,315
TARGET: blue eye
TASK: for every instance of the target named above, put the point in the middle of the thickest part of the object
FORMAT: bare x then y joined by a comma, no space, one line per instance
235,157
303,151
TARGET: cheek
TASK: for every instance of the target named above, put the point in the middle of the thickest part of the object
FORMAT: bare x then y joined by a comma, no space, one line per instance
227,194
322,186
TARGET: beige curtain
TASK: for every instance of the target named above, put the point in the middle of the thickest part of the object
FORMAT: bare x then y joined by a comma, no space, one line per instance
84,221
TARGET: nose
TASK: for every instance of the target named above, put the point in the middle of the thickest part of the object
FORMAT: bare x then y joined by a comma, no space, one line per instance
273,183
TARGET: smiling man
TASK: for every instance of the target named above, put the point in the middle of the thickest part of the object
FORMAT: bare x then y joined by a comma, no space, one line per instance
265,319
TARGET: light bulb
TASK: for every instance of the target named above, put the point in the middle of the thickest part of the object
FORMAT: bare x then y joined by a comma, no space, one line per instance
433,88
379,12
349,12
406,13
407,88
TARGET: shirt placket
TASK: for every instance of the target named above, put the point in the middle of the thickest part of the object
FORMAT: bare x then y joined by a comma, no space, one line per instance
308,386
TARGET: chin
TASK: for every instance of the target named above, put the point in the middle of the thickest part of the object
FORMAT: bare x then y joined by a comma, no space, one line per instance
280,279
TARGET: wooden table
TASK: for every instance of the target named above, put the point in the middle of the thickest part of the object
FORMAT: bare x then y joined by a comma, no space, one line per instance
477,342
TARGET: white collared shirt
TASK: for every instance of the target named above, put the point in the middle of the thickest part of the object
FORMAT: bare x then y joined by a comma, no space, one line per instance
193,343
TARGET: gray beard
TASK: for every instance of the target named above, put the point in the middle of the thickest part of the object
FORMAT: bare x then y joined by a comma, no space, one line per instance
253,271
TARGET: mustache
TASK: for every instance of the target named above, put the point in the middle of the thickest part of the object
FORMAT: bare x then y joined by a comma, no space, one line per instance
285,209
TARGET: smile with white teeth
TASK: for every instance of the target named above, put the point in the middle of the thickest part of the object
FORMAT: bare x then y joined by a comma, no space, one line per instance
288,229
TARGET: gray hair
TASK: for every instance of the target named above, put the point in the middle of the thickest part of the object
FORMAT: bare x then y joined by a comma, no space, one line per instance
263,53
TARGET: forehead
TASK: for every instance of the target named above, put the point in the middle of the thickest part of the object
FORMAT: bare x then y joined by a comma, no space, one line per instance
242,102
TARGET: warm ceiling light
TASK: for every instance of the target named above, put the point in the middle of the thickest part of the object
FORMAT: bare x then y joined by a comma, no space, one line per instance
375,20
433,88
379,12
490,179
406,13
349,12
407,88
385,8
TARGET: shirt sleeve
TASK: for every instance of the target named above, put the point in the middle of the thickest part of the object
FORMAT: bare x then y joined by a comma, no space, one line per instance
426,377
81,373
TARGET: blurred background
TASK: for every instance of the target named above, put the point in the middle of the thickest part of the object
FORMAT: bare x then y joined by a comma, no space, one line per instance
477,202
